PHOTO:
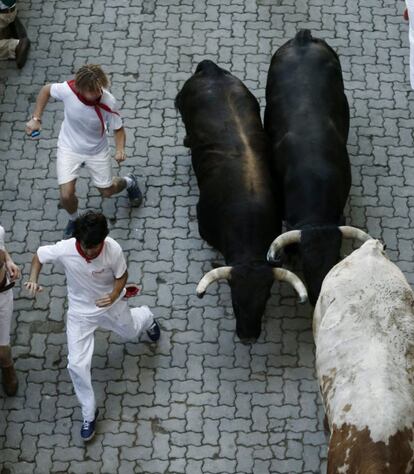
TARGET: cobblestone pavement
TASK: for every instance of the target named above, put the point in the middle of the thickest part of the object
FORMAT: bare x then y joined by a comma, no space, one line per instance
200,402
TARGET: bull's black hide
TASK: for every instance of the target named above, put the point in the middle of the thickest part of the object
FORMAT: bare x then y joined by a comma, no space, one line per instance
237,209
307,121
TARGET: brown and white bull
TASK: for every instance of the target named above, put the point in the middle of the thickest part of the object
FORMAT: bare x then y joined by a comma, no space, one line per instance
364,335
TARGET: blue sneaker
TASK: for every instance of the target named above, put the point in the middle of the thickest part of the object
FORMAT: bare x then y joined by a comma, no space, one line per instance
134,193
88,428
154,331
70,229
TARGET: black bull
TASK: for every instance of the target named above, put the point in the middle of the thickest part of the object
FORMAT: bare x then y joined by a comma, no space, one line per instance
307,120
237,211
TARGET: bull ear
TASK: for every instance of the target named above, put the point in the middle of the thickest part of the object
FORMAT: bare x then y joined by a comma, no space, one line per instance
290,277
216,264
212,275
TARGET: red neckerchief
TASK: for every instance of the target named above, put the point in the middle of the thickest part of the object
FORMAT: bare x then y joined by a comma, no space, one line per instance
83,254
97,105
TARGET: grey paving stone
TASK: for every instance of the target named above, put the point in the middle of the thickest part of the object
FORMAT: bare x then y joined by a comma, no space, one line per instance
200,402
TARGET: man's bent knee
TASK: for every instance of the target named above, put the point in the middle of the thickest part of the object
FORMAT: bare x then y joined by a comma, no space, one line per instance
106,192
67,193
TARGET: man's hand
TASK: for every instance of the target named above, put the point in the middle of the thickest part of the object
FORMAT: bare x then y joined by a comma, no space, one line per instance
106,300
120,155
32,125
33,287
13,270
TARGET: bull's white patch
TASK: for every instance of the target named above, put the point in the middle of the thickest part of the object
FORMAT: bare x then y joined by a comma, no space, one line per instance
364,335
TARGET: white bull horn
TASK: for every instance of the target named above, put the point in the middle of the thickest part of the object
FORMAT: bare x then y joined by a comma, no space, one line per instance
290,237
349,232
213,275
289,277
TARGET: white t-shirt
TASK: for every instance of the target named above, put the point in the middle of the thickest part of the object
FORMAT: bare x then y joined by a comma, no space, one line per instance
81,130
2,234
86,282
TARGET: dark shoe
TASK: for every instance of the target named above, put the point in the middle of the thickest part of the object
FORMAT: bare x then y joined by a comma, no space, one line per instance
154,331
70,229
134,193
88,428
22,50
17,29
131,290
9,380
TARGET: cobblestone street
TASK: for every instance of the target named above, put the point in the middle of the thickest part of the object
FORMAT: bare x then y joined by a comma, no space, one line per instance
199,402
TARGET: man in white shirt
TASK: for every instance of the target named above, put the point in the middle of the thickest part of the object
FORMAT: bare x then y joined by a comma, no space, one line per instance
9,272
96,274
90,111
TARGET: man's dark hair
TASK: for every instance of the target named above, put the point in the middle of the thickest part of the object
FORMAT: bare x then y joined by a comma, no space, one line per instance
91,228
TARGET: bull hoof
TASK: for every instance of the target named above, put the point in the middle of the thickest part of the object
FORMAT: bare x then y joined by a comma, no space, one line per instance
200,295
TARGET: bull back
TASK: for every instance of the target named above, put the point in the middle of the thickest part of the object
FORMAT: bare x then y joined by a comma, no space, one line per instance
307,121
237,210
364,337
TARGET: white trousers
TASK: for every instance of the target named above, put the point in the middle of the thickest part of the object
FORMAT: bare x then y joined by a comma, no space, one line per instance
410,7
128,323
6,311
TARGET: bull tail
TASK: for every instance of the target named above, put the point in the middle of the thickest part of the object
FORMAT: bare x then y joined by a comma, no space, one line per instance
303,37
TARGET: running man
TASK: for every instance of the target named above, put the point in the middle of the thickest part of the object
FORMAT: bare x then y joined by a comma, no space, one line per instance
96,274
90,111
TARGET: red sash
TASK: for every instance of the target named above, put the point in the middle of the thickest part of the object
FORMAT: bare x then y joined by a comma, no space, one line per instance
97,105
83,254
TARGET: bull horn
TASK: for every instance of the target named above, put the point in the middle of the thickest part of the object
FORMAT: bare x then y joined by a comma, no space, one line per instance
289,277
349,232
213,275
290,237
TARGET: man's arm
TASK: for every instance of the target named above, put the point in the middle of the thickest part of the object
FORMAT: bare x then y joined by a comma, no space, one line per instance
41,101
114,295
32,284
120,139
12,269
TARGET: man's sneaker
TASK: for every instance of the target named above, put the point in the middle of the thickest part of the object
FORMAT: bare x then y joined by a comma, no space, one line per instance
154,332
134,193
70,229
88,428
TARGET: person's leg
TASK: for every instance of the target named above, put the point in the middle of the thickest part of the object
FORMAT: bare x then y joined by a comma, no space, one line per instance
127,323
117,185
80,335
68,165
7,45
13,47
9,377
100,169
68,199
8,48
69,202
